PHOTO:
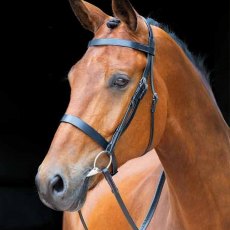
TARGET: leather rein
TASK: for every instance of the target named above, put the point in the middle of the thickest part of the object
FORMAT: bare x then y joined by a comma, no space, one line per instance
108,147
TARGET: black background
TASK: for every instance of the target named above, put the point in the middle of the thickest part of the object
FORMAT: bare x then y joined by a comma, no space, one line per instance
40,41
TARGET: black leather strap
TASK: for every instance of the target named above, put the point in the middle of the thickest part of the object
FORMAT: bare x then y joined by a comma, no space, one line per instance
122,42
133,105
153,205
150,21
82,220
84,127
152,112
116,193
154,202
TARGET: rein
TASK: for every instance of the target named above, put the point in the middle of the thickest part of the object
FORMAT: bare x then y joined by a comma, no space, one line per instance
108,147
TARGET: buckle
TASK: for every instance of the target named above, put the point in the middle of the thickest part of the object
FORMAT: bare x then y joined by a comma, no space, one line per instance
154,102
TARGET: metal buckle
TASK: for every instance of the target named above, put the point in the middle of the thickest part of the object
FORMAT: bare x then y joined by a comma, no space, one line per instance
154,102
95,170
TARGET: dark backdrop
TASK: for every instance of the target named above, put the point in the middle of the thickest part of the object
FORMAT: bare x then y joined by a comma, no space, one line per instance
40,40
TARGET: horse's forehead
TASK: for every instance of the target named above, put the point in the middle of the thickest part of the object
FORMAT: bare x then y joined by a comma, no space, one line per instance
112,58
107,60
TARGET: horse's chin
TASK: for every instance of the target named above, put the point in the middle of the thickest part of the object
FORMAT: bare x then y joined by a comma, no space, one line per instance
79,198
89,184
77,205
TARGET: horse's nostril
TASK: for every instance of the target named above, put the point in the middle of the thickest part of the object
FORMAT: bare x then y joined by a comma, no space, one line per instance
57,184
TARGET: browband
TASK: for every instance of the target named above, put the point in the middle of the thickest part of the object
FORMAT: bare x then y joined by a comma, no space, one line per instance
122,42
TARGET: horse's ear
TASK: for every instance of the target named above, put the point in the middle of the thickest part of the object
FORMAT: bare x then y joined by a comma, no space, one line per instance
123,10
90,16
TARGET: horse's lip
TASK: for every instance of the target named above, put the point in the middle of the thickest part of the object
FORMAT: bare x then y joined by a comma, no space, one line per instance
48,204
88,184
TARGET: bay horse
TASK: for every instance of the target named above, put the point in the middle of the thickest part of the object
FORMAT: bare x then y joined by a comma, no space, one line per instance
191,137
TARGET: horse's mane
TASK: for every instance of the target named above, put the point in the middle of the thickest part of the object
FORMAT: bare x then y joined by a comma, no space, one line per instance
197,61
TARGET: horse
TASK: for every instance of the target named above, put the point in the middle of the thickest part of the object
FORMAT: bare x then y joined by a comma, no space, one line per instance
191,137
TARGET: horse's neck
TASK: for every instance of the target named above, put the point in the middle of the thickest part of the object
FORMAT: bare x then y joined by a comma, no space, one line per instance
194,148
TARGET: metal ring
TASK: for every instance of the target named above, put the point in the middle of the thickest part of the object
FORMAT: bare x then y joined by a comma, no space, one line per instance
98,155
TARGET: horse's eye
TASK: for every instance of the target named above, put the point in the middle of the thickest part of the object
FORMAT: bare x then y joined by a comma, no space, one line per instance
120,82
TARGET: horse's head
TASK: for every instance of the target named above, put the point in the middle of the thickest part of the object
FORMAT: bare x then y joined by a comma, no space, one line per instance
102,85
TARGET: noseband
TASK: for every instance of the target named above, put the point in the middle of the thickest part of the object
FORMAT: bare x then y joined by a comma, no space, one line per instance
108,146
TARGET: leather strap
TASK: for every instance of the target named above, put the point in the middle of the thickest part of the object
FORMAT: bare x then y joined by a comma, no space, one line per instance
154,202
116,193
153,205
133,105
122,42
82,220
151,135
91,132
84,127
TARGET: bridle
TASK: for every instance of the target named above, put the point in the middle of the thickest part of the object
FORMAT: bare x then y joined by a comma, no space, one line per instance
108,147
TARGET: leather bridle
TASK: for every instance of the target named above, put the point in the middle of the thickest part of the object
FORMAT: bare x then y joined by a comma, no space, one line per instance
108,146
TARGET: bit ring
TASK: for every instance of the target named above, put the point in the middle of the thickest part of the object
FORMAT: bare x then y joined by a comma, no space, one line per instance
98,156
